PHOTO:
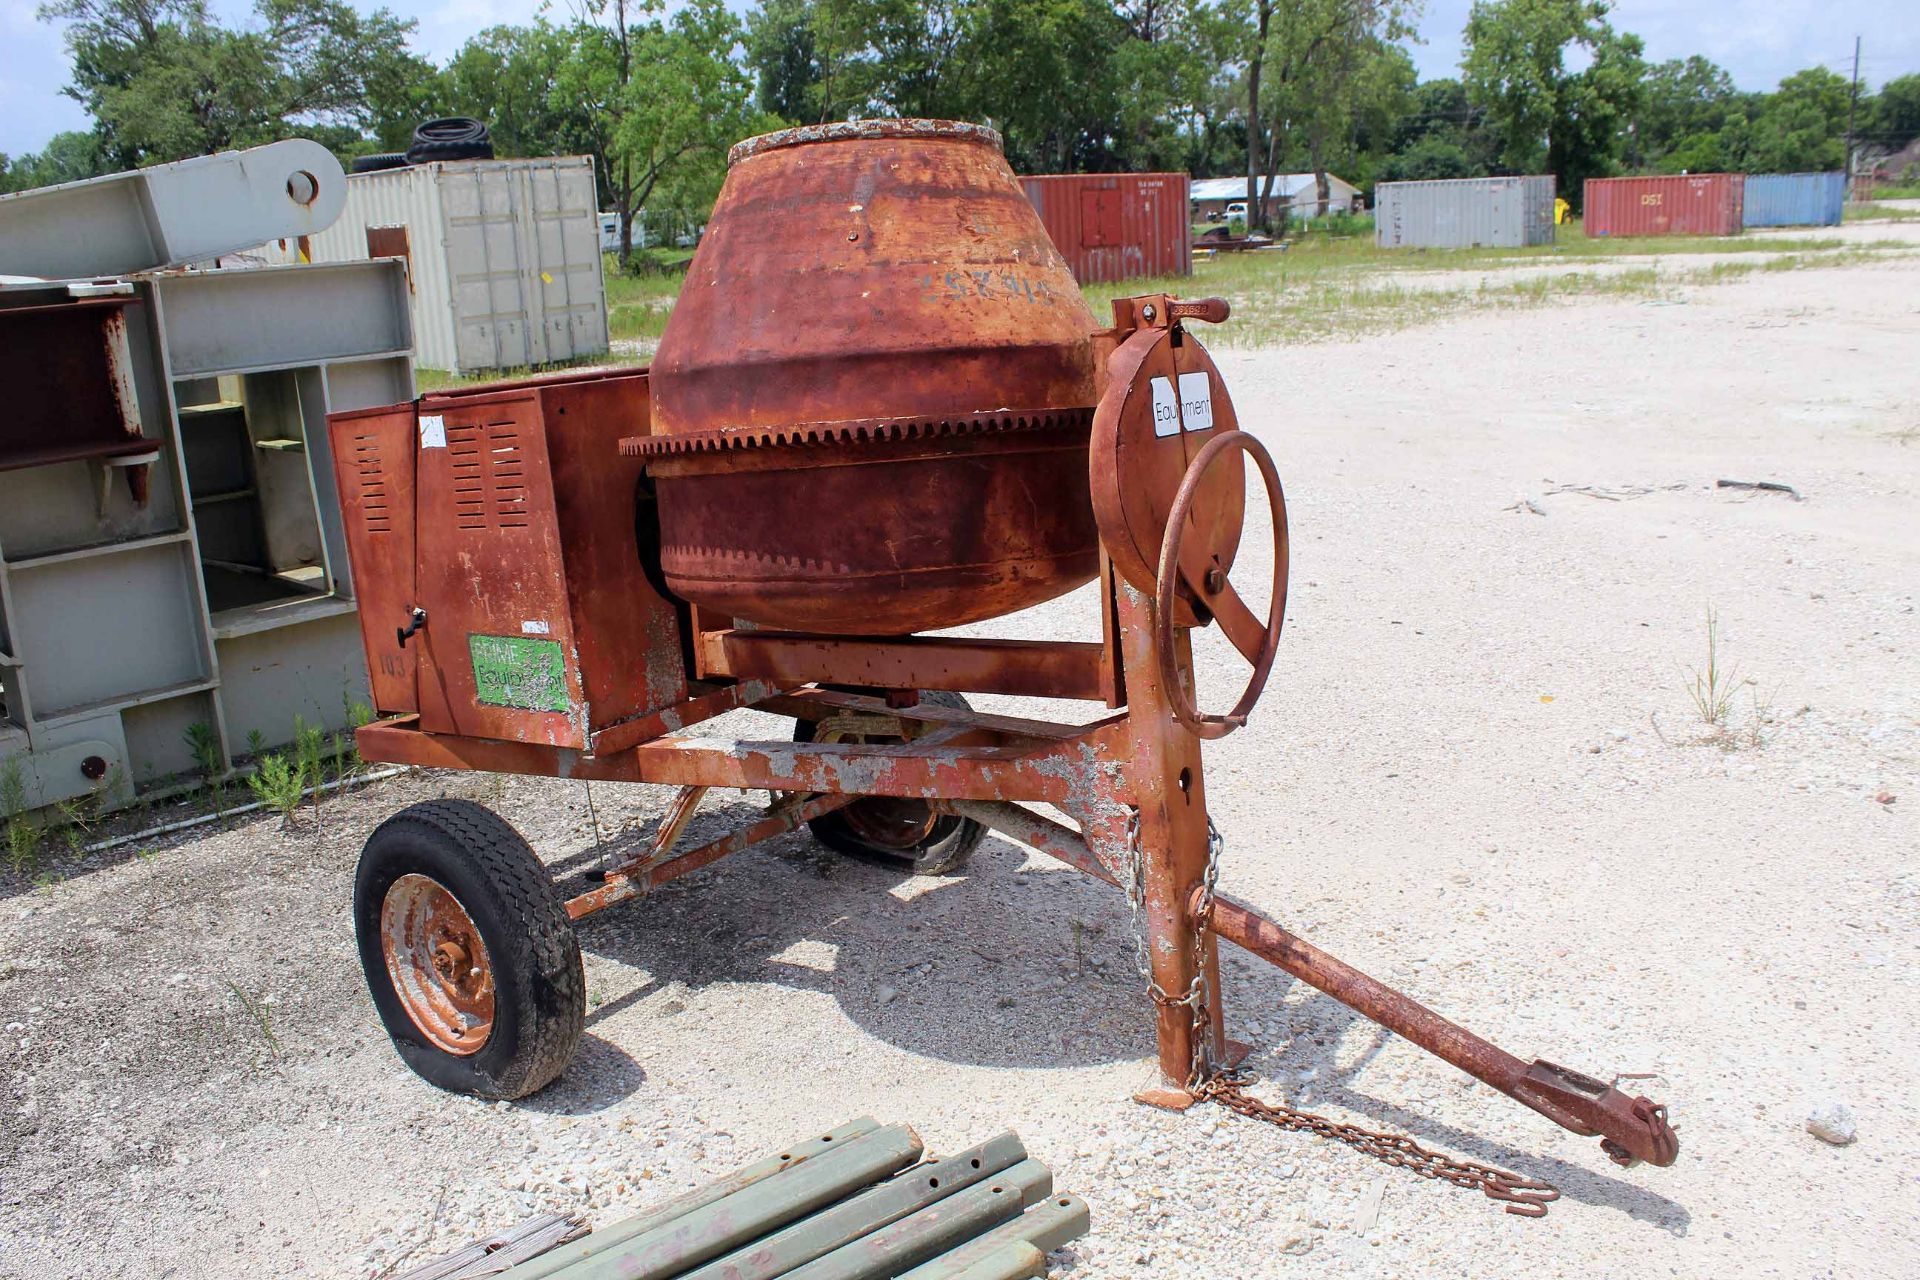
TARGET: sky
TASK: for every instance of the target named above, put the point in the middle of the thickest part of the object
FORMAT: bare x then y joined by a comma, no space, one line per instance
1757,43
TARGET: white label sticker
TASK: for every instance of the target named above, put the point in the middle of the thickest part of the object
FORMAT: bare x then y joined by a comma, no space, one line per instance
1196,400
1195,405
433,431
1166,414
535,629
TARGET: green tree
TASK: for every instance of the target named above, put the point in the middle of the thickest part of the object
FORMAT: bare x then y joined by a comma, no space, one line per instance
1892,118
163,81
1570,123
1428,159
1803,126
783,52
507,76
895,57
1686,101
1166,76
661,99
1440,134
1307,67
67,157
1043,72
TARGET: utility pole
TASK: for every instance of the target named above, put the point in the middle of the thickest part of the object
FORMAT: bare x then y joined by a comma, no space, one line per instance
1853,107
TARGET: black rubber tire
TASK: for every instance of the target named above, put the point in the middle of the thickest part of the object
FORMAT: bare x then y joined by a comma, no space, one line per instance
943,851
452,138
378,162
540,985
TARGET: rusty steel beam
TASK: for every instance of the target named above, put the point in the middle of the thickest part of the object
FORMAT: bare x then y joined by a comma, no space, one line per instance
1055,839
1070,772
1630,1129
1174,844
818,704
400,741
686,802
1026,668
642,877
921,770
682,715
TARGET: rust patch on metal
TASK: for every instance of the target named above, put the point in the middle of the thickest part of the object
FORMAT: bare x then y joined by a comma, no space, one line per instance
844,130
438,963
857,300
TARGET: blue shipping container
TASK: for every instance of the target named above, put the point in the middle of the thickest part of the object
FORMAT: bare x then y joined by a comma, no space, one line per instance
1795,199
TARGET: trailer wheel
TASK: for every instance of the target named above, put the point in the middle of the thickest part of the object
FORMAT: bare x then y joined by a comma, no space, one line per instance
468,951
896,832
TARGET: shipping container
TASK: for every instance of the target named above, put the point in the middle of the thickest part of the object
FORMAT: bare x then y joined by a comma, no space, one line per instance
1697,204
1471,213
1116,226
1794,199
503,256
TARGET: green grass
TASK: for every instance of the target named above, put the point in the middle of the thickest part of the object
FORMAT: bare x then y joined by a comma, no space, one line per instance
1900,191
1880,213
638,302
1324,287
426,380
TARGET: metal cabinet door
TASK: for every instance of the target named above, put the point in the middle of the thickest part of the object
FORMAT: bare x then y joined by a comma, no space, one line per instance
497,656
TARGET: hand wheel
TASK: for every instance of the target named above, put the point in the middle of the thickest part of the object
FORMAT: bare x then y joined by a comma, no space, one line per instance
1207,587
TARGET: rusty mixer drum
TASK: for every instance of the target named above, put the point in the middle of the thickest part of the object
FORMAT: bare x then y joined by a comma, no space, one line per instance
872,401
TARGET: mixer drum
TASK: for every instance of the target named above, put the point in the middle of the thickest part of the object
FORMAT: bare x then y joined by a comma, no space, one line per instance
872,401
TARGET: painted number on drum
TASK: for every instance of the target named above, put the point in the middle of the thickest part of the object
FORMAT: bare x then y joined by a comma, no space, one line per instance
1195,403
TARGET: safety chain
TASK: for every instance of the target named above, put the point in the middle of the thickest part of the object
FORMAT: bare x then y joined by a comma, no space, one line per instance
1195,996
1524,1196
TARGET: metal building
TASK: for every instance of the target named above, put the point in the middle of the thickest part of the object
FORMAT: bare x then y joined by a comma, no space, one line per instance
173,567
1116,226
1794,199
1293,195
503,256
1467,213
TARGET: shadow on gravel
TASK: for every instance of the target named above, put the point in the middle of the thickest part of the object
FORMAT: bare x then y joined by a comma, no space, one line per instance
1013,964
1006,965
600,1076
1325,1031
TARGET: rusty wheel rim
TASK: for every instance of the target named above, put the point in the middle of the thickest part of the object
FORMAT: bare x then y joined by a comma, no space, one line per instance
887,822
438,964
891,822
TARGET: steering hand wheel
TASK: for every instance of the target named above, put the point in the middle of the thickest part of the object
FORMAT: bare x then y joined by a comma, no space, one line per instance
1207,586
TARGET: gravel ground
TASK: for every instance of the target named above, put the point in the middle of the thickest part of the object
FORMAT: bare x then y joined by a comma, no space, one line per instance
1476,774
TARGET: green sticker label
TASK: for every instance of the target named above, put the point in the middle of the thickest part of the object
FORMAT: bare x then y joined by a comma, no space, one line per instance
516,671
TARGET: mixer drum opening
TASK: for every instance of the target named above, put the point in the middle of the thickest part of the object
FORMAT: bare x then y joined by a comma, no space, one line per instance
872,402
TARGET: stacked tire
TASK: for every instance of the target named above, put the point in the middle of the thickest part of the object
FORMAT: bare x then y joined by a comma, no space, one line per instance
450,138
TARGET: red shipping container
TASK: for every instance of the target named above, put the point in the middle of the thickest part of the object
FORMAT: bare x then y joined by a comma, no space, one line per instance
1116,226
1695,204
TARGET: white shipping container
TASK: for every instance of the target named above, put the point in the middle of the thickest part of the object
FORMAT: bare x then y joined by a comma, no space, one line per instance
1465,213
503,256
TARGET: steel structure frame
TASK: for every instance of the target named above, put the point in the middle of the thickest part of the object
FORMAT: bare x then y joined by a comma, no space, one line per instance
1131,780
